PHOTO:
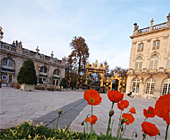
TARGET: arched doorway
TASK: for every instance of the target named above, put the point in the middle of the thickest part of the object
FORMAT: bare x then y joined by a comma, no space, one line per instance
115,84
150,85
94,81
7,71
43,75
135,85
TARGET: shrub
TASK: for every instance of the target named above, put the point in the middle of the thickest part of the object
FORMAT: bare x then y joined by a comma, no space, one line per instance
63,83
27,73
29,131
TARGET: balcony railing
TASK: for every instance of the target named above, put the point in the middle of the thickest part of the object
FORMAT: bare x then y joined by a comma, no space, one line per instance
159,26
143,30
155,27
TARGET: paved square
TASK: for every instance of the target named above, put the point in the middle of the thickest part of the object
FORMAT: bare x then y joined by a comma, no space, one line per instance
17,106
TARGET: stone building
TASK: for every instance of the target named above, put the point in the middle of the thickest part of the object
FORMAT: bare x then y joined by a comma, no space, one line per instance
149,66
49,70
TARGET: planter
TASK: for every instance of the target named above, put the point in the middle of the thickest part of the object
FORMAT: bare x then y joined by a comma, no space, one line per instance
27,87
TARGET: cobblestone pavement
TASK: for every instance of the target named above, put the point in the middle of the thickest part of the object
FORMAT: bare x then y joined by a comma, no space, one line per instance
101,111
18,106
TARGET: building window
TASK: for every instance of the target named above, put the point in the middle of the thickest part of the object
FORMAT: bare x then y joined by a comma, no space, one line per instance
140,47
156,44
135,85
166,86
168,62
153,62
7,63
56,72
43,69
150,86
138,64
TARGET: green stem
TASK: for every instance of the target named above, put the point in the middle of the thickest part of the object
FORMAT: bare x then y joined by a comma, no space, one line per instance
57,122
123,131
109,121
145,120
118,130
111,127
166,136
87,127
91,131
144,136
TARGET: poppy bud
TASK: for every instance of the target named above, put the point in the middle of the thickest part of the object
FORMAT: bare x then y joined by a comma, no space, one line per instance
122,120
59,112
159,134
111,112
82,123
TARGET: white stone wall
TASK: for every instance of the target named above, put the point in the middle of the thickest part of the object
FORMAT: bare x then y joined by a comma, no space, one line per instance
19,58
159,75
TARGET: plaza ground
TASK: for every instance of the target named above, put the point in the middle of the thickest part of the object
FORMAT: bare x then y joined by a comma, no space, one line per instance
18,106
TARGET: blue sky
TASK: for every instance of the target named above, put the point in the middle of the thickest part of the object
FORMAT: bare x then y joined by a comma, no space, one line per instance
105,24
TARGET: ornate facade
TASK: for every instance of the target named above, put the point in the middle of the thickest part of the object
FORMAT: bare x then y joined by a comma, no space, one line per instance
49,70
149,66
112,83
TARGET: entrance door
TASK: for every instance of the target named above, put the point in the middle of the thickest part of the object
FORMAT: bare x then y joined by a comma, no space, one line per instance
55,82
115,84
6,79
135,85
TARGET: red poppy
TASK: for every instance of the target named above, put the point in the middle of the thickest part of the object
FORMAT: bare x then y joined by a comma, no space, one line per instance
92,119
150,129
115,96
149,113
123,104
166,117
92,97
128,118
162,105
132,110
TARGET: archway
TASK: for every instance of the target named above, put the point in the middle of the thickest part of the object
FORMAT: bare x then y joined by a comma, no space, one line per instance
94,81
115,84
95,71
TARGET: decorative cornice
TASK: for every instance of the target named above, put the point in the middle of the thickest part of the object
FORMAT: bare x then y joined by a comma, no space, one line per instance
150,32
165,37
149,40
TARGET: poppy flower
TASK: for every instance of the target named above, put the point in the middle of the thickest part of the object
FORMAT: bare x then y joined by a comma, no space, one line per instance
132,110
115,96
92,97
128,118
166,117
162,105
150,113
150,129
123,104
92,119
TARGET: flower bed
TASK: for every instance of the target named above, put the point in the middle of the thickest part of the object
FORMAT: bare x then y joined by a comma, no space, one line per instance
29,131
161,109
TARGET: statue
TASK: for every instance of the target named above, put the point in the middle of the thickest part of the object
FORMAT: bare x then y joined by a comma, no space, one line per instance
135,27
